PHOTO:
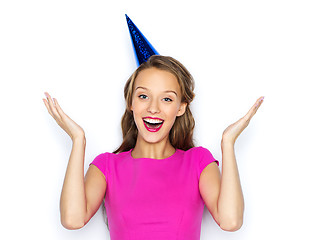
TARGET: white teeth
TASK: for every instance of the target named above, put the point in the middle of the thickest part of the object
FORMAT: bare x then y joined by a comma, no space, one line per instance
153,121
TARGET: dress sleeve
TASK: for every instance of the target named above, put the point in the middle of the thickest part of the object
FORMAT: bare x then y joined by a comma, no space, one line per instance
101,162
205,157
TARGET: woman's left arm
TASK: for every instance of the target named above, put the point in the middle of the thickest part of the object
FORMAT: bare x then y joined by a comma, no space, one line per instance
222,194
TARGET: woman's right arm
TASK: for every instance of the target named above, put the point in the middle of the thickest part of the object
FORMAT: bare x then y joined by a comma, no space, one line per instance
81,196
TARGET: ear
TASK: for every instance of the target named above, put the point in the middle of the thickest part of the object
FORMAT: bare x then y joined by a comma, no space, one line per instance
131,107
182,109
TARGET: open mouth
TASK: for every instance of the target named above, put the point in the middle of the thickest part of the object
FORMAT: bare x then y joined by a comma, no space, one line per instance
153,124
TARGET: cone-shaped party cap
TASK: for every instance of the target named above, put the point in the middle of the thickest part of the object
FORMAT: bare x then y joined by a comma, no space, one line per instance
143,49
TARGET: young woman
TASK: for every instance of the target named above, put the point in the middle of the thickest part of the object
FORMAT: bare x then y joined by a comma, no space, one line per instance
156,183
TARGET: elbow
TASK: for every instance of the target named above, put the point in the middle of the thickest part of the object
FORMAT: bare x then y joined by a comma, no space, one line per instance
231,225
71,224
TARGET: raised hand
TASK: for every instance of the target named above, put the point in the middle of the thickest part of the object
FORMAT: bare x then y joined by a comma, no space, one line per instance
232,132
63,120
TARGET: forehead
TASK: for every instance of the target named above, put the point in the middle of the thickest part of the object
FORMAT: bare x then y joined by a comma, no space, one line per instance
156,79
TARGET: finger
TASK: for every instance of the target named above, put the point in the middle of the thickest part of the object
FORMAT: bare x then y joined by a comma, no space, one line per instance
46,102
47,106
48,97
52,108
254,108
60,111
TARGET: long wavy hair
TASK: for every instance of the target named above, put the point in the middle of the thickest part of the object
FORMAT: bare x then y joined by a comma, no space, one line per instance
181,134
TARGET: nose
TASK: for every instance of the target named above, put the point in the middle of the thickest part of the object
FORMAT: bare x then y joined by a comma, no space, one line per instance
153,107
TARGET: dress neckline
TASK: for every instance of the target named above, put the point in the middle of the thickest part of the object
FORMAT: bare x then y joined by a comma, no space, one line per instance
155,159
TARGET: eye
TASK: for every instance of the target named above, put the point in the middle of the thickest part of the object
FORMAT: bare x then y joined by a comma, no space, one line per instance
143,96
167,99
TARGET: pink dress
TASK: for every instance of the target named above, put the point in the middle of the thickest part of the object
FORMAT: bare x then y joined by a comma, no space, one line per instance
154,199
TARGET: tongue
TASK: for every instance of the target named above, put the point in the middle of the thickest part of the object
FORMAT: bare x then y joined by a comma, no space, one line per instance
153,125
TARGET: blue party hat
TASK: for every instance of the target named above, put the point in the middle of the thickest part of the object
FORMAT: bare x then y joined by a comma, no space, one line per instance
143,48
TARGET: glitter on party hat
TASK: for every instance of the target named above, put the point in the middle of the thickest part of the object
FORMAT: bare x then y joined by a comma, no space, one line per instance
143,48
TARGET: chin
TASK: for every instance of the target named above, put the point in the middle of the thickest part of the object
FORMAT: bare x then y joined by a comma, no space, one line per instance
152,138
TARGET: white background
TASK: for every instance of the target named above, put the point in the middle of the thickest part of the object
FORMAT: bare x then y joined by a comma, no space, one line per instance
81,53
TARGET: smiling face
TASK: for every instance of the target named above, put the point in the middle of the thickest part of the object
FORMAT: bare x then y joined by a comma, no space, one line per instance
156,102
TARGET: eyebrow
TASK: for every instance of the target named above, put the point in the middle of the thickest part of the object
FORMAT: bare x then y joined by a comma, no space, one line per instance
171,91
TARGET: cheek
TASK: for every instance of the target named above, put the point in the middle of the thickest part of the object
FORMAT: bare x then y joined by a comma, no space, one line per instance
137,107
172,113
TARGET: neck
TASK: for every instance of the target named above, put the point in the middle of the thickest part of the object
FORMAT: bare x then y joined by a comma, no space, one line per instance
160,150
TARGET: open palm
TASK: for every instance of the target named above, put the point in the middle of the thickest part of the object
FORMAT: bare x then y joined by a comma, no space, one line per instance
64,121
232,132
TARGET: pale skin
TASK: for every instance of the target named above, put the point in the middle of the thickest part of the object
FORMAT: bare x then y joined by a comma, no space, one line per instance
81,195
